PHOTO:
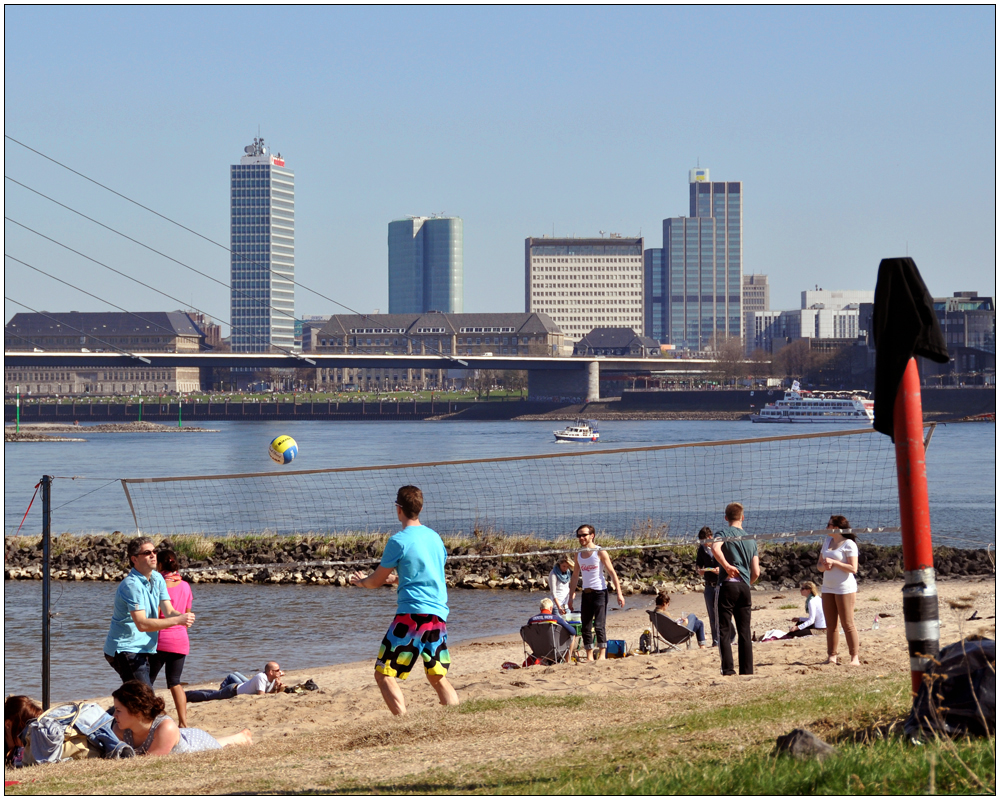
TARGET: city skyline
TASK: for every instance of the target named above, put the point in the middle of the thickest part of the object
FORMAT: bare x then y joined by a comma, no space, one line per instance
849,147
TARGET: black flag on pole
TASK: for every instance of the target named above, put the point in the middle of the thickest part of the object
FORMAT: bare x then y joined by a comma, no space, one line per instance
903,325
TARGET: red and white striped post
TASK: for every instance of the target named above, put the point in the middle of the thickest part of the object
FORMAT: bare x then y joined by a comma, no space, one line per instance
920,599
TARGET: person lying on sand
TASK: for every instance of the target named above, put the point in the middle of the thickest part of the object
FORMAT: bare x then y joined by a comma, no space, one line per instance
266,682
140,721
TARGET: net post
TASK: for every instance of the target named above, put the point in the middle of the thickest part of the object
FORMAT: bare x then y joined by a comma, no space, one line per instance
46,587
920,599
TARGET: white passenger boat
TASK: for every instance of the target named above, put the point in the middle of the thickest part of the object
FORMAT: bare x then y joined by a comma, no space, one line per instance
799,405
579,431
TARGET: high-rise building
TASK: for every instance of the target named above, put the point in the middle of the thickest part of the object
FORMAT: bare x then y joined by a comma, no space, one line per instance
262,261
655,307
756,297
703,265
426,272
584,284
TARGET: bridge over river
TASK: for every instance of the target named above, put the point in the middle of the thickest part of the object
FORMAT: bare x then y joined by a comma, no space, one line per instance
548,377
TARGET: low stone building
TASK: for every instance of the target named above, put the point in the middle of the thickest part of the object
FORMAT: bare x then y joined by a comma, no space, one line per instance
616,342
99,332
500,334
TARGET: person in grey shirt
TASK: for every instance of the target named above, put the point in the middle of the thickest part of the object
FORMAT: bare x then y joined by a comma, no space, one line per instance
741,564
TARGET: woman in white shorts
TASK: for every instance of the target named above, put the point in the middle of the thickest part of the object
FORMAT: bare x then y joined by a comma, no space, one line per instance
838,561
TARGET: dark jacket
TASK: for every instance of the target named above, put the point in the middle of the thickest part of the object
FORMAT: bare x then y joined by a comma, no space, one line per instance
706,560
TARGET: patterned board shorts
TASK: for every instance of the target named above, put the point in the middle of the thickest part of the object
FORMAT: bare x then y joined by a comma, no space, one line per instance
409,636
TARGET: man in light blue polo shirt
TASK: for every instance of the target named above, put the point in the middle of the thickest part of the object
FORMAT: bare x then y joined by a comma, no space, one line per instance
135,622
418,631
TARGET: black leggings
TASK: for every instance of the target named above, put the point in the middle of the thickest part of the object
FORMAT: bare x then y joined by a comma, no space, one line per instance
174,663
594,609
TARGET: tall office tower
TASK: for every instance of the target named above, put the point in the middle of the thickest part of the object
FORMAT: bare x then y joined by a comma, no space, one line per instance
703,265
426,272
654,309
756,297
262,262
584,284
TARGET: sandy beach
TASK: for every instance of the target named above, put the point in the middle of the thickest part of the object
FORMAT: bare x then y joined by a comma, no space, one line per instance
346,724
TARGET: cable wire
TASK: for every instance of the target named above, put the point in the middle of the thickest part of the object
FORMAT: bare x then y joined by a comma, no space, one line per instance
239,257
59,322
146,285
241,292
103,300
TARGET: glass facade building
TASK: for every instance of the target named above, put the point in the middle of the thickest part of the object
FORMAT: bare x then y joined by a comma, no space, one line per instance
654,310
262,259
426,271
584,284
702,266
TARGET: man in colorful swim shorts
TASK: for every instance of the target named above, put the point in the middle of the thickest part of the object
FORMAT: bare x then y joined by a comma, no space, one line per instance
418,630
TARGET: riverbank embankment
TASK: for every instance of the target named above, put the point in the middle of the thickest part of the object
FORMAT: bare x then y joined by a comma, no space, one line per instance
41,431
940,404
488,563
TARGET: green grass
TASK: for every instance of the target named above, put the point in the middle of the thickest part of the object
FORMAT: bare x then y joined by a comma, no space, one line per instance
714,752
611,744
787,605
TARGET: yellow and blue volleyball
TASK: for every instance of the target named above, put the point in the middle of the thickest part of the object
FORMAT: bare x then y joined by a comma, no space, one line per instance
283,449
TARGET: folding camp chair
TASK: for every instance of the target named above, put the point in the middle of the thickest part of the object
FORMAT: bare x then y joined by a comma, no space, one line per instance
550,644
666,630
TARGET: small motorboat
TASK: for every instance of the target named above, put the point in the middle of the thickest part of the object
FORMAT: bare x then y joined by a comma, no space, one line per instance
579,431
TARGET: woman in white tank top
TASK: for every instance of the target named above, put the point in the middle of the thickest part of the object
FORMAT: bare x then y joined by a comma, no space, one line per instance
591,564
838,561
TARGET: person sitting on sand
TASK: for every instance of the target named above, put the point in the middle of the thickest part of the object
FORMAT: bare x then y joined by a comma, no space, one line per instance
692,623
140,721
266,682
814,619
18,711
545,616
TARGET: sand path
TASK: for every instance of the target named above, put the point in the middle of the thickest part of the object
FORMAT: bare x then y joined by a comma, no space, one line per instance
344,729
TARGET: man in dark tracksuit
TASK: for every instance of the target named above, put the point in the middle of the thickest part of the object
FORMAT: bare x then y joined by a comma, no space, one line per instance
739,561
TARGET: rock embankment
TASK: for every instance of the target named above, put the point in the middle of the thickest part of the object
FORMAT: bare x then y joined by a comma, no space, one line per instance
33,436
326,562
39,429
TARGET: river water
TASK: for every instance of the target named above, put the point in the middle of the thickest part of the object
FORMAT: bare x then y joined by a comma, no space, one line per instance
87,497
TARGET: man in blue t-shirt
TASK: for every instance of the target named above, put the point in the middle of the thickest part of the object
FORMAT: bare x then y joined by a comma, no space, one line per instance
417,554
135,622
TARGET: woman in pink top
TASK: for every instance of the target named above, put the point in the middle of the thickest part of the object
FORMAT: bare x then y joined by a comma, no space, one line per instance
173,645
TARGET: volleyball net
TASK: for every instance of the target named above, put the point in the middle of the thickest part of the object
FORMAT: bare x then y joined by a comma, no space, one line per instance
664,492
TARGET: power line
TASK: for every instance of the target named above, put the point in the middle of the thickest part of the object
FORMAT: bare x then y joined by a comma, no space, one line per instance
141,283
78,330
147,247
239,257
103,300
24,339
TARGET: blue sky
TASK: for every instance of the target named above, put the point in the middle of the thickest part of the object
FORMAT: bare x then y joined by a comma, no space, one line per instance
859,133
